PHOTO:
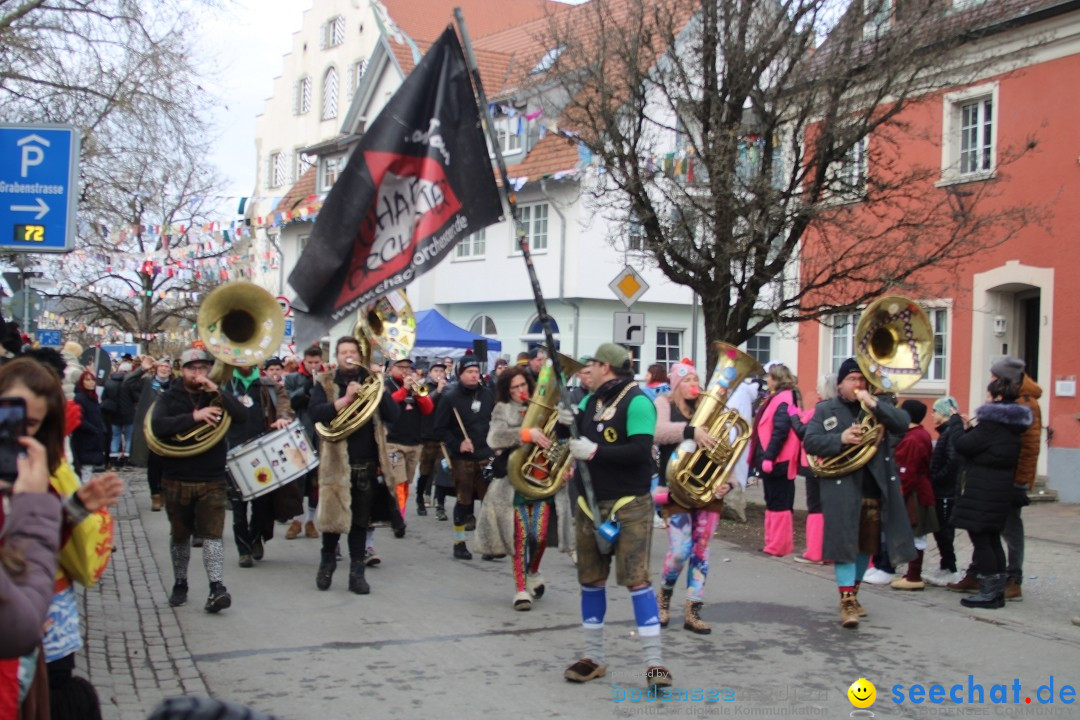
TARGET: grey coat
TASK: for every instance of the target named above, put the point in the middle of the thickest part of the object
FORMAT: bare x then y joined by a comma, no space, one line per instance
841,498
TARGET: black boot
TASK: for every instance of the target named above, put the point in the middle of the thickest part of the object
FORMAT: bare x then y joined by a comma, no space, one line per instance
461,552
357,583
326,570
991,593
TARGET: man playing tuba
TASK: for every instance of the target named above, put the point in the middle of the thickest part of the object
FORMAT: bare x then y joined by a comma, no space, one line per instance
864,491
347,466
195,486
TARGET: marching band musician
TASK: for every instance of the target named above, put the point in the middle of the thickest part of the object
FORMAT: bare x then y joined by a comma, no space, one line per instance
857,505
616,423
403,441
195,487
298,386
432,449
462,420
268,409
688,530
347,469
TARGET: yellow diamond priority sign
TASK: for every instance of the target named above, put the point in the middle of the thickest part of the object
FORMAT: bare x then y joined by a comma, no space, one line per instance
628,286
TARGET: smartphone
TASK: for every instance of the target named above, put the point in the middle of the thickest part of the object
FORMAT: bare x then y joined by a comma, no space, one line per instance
12,427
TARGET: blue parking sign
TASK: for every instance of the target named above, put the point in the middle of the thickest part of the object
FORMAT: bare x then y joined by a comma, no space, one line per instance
39,187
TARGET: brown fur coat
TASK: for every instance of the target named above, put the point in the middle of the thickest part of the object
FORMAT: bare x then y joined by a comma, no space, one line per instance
334,513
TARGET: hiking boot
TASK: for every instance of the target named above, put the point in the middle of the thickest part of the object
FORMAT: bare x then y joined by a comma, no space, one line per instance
522,603
692,619
440,513
420,509
534,584
156,502
584,670
357,583
968,584
849,612
991,593
219,598
658,676
309,530
246,561
858,605
294,530
257,549
902,583
1012,590
325,573
461,552
179,593
663,604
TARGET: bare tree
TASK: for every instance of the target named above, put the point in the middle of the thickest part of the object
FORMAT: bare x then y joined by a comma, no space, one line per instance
762,167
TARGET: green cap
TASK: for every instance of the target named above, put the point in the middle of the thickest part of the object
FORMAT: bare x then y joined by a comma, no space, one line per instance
614,355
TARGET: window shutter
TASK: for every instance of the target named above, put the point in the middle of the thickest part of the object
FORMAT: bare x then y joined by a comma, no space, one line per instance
296,97
322,36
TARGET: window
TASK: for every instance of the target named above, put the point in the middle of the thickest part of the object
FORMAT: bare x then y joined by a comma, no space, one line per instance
534,218
877,13
333,32
548,60
843,344
635,357
849,176
483,325
939,321
843,339
329,174
668,346
353,76
635,236
303,163
472,246
509,133
535,333
759,347
302,103
277,169
330,94
969,135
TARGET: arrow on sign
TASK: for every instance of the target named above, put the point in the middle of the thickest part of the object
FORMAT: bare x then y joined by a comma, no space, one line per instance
41,208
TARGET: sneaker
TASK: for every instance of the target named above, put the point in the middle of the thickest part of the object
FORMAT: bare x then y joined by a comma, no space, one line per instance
875,576
294,530
805,561
440,513
371,559
522,603
421,510
219,598
658,676
902,583
179,594
941,578
246,561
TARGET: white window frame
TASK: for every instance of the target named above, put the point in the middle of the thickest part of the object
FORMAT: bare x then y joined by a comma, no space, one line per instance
958,5
329,170
277,168
329,106
302,104
635,236
471,247
510,143
669,357
531,223
486,321
756,351
879,22
303,163
847,178
333,32
953,105
353,76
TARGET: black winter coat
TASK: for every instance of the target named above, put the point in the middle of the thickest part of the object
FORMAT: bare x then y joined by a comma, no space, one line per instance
944,462
87,444
989,451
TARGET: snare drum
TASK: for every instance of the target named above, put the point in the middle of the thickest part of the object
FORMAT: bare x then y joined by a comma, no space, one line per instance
271,460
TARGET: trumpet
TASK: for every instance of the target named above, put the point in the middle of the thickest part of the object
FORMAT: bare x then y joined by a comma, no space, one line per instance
418,389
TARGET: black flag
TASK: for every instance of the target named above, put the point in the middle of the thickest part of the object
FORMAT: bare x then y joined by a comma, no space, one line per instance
419,180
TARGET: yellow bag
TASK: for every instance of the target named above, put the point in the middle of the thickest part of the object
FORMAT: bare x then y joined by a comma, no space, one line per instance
85,555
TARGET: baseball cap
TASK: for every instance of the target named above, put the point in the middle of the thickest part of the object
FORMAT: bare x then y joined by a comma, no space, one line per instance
614,355
273,361
195,355
469,361
164,361
404,361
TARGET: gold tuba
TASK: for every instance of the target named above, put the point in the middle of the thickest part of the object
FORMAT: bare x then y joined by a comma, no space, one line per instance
894,346
534,472
693,477
389,325
241,325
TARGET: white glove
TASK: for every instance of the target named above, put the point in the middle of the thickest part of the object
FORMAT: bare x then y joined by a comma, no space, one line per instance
565,416
582,448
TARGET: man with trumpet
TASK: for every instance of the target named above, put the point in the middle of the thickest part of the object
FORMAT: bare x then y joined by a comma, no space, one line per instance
860,497
195,485
348,465
404,440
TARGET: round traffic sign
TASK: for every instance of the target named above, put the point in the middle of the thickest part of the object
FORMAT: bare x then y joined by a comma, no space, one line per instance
286,306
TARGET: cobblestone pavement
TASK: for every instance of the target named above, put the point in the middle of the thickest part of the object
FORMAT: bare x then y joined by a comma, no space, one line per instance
135,653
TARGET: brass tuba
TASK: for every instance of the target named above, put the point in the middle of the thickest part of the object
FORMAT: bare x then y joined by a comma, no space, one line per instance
241,325
894,346
693,477
389,325
534,472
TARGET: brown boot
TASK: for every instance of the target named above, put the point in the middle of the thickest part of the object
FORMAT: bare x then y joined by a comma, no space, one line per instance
309,530
858,605
663,603
1012,590
155,503
969,584
693,621
294,530
849,612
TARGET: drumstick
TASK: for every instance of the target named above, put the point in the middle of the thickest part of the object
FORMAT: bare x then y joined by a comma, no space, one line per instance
461,424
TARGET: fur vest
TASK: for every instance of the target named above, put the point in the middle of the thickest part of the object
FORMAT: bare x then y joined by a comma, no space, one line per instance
334,513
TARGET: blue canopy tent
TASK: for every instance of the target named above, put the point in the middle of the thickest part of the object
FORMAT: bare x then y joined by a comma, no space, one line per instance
438,337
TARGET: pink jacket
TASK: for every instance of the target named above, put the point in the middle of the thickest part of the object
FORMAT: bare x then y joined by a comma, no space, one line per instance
791,450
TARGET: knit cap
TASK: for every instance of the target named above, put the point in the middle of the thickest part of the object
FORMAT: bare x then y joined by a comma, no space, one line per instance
946,406
1009,368
679,371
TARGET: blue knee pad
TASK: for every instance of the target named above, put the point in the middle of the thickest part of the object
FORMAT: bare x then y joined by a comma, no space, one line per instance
593,606
646,611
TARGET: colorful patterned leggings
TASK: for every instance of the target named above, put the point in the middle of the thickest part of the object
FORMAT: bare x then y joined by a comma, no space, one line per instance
688,538
530,538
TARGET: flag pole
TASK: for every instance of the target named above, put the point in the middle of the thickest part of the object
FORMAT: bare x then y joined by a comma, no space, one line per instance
526,254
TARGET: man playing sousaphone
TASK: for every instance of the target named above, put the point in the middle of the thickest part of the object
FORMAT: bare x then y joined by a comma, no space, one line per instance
348,466
195,486
865,499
